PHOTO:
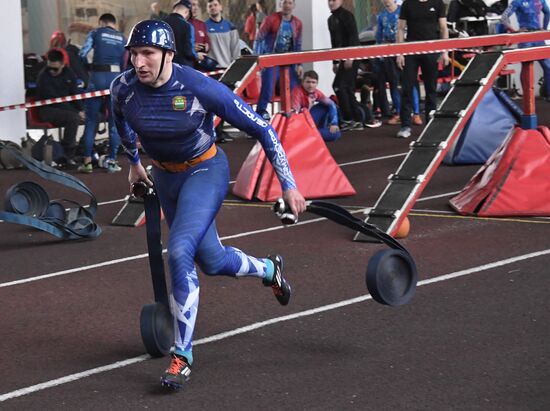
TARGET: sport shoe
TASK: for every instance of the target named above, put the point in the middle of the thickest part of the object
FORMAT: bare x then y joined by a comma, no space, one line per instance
417,120
177,373
394,120
112,166
356,126
373,124
264,114
405,132
280,287
85,168
346,125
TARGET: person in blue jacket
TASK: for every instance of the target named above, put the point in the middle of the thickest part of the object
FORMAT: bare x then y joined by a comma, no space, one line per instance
109,59
528,14
171,108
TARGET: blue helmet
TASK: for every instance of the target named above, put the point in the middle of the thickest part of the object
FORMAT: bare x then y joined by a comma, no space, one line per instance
152,33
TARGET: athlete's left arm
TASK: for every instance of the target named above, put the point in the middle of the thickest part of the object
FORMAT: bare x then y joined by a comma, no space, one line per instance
215,97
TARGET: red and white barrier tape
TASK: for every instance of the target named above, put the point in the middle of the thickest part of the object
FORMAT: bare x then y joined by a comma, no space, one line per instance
65,99
81,96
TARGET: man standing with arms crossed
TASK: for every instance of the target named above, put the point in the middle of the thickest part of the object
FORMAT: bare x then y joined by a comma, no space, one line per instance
424,20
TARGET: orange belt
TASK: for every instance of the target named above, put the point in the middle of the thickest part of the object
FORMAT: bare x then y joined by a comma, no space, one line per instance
186,165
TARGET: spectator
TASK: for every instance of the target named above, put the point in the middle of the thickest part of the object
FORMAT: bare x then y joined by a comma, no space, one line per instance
528,13
191,174
224,48
108,61
250,27
58,40
109,56
183,32
196,9
224,38
322,109
424,20
280,32
156,12
58,80
387,70
202,41
343,33
261,13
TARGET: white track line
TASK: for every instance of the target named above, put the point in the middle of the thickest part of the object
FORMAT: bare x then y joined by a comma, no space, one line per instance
145,255
368,160
221,336
139,256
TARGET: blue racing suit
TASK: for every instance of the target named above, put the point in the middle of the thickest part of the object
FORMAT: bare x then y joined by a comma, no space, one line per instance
108,61
528,14
175,123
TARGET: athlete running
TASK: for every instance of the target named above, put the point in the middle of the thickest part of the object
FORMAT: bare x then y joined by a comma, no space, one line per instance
171,108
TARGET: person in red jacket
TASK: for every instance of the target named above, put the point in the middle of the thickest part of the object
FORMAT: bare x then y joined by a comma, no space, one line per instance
280,32
202,41
322,109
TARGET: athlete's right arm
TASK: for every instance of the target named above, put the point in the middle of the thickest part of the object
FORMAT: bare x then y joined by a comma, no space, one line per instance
506,14
127,135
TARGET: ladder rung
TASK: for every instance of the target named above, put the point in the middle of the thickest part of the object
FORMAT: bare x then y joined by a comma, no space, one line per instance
421,144
398,177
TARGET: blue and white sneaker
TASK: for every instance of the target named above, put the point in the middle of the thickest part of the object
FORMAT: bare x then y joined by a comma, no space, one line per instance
280,287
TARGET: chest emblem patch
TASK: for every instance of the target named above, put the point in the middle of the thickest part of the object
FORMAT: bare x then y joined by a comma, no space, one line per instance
179,103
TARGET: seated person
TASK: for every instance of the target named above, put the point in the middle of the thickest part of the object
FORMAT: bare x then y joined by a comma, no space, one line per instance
322,109
58,80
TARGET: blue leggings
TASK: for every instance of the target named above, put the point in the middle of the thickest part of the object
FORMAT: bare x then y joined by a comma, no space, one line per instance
319,113
99,81
270,76
190,202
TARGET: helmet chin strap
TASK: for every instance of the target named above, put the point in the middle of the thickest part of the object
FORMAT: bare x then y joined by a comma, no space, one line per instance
161,65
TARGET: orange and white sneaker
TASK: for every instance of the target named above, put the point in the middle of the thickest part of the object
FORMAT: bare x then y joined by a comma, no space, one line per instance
177,373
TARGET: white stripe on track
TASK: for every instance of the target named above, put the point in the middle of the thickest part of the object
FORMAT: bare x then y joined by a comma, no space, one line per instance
368,160
221,336
145,255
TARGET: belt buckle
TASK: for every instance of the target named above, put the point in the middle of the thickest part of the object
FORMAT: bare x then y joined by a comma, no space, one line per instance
114,68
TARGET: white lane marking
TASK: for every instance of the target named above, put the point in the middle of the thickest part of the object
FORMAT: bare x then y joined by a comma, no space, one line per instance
452,193
241,330
368,160
145,255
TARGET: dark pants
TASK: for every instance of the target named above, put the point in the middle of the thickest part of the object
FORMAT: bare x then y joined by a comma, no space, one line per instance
428,64
344,87
67,119
387,72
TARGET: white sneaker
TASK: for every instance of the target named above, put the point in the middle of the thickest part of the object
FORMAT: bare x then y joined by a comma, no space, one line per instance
405,132
112,166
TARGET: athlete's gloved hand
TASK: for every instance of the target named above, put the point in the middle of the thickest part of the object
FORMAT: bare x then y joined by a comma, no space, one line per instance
139,179
282,210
